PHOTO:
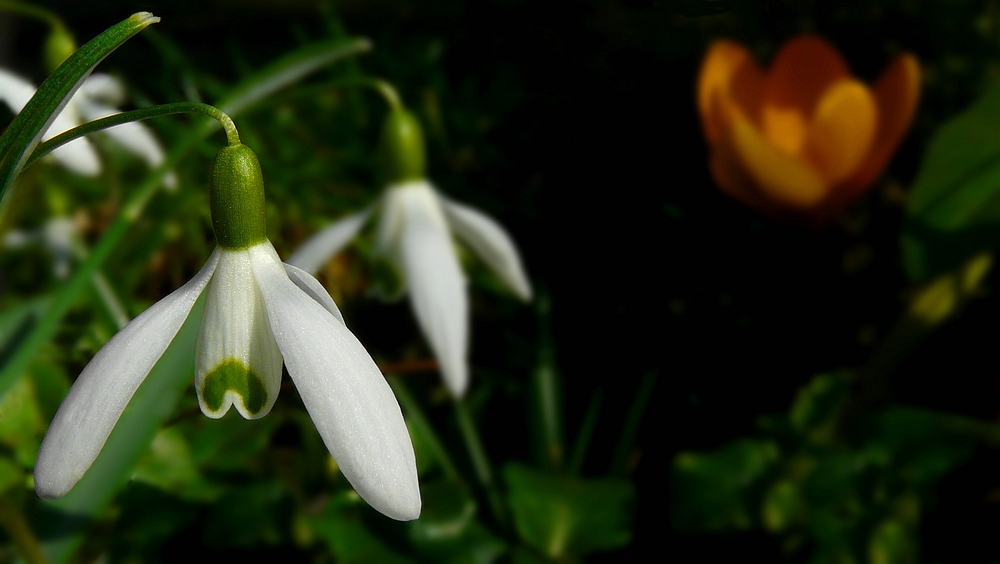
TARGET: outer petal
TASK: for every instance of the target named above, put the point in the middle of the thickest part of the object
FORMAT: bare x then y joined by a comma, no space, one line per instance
313,289
896,95
730,75
237,362
347,397
842,130
101,392
491,242
103,89
15,91
802,71
78,155
134,137
328,242
436,284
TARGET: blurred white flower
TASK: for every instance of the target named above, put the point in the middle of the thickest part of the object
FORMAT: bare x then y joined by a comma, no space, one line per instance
97,97
258,313
56,235
414,234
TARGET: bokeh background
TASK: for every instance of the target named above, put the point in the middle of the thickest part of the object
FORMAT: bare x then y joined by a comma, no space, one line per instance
574,124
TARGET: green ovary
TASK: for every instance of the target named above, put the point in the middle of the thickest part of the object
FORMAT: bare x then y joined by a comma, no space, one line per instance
233,375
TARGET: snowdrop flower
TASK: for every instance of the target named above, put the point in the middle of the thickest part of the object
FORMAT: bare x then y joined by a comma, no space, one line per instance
414,235
57,235
98,97
258,313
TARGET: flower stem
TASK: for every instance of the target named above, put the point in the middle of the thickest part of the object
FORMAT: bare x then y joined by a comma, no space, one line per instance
586,433
480,462
385,90
105,292
232,135
13,523
32,12
630,430
416,416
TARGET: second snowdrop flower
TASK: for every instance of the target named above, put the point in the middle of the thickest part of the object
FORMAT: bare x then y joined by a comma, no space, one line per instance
414,235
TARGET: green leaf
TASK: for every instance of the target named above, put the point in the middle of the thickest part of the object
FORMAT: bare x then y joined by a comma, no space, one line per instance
347,537
717,491
25,132
814,411
169,466
66,520
560,515
954,204
249,516
447,530
892,542
287,70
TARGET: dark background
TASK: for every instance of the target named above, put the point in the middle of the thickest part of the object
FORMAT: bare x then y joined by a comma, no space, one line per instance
573,123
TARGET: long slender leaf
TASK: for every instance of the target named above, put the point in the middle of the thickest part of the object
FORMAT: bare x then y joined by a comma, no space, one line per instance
66,520
25,132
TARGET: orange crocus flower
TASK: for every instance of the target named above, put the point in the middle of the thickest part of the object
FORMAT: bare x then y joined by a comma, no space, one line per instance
805,139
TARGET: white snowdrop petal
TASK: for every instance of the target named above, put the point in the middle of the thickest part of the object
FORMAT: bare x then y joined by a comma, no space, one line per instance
237,362
133,136
78,155
346,396
96,401
436,285
313,289
325,244
491,242
15,91
103,89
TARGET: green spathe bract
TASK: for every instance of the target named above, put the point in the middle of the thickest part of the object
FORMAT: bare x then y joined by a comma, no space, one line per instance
233,375
236,196
403,147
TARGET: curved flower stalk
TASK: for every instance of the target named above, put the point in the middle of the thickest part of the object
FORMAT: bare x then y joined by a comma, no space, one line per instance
414,234
98,96
804,139
258,314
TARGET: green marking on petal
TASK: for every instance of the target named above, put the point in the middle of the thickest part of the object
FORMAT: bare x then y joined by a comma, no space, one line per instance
233,375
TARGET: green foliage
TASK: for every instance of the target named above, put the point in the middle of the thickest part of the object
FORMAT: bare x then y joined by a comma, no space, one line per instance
560,515
843,500
954,203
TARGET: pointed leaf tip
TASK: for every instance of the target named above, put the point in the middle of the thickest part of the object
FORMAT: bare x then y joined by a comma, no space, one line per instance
144,18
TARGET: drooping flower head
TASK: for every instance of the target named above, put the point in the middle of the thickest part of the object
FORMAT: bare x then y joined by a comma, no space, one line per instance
804,139
414,236
258,315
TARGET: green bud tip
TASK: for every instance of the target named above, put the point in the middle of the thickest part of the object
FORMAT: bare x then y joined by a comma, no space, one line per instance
403,150
59,45
236,197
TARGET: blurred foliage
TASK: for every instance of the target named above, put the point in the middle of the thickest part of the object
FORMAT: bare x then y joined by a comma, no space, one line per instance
837,500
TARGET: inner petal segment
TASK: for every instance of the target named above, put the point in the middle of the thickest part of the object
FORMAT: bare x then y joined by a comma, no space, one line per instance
234,379
237,362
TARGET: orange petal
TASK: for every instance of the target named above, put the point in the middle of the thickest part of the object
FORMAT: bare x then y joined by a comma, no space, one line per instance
840,136
782,178
896,94
802,71
729,75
